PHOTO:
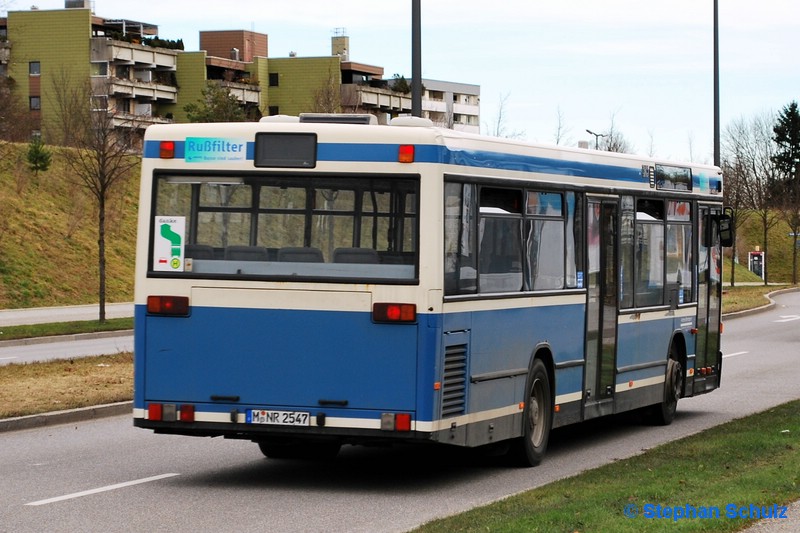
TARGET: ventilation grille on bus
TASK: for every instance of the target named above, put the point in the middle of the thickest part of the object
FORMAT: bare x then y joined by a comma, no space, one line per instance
454,388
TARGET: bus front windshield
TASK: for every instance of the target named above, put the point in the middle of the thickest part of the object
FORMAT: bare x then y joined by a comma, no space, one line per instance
343,228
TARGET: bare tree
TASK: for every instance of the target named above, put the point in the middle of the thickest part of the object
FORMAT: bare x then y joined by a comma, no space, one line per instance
651,145
103,155
562,130
328,96
16,122
615,141
750,149
499,128
735,198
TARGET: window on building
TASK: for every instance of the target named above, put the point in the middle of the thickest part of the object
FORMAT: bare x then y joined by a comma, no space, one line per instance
35,103
274,79
34,68
274,110
99,69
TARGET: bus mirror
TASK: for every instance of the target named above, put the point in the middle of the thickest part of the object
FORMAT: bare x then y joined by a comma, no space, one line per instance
726,228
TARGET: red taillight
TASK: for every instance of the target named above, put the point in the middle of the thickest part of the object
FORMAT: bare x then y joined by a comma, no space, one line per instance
402,422
394,313
166,149
406,153
187,413
395,421
154,411
168,305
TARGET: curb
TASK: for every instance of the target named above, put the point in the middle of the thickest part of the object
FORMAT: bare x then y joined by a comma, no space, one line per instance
765,307
65,338
68,416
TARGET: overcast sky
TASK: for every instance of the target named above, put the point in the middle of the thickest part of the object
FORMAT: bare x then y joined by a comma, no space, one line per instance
647,64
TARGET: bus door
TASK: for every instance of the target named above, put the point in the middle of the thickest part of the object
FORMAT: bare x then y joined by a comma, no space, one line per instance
709,279
602,307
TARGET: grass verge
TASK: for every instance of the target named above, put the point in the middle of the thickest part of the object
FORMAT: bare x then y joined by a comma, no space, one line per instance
743,297
749,461
27,389
64,328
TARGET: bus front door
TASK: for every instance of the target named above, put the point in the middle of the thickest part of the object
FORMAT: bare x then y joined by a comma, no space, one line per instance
601,309
707,348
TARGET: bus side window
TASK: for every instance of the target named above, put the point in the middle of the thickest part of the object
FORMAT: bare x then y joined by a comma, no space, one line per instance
460,265
500,241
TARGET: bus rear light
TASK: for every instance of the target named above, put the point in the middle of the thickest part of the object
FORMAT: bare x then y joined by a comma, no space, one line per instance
154,411
396,421
405,153
402,422
187,413
166,149
168,305
394,313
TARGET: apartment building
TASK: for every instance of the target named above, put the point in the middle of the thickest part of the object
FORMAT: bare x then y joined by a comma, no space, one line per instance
144,80
52,52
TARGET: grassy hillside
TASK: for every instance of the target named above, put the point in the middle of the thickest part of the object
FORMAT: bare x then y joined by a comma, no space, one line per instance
779,254
48,236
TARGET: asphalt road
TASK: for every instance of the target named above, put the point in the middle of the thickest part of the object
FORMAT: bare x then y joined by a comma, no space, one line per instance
105,475
66,346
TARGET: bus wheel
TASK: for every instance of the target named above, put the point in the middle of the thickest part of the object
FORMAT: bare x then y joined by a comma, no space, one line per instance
537,418
316,451
664,413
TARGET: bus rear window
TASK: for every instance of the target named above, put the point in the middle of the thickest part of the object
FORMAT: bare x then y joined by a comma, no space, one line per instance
340,228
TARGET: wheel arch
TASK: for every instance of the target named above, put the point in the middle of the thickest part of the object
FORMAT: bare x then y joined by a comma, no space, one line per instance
544,352
678,341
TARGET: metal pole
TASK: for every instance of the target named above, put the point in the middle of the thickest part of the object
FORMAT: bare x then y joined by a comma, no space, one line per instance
596,138
416,59
717,157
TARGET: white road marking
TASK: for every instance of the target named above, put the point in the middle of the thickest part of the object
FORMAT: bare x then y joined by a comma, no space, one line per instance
101,489
788,318
734,354
8,358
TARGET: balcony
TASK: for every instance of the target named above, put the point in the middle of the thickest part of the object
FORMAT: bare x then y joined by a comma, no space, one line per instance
130,120
122,53
5,52
375,99
142,90
244,92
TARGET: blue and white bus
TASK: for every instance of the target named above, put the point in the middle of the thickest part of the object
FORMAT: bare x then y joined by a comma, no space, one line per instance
305,284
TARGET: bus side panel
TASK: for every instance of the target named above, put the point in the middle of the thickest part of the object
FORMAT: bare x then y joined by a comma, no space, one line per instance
277,358
502,343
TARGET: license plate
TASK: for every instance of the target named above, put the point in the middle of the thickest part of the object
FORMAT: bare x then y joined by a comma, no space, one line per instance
278,418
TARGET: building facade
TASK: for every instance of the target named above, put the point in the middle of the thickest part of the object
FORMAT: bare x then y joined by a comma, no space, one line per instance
142,80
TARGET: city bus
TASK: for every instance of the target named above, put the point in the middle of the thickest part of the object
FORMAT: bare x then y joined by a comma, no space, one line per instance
310,282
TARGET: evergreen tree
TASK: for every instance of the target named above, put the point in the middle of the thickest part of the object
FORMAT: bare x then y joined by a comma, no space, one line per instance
787,163
39,157
216,104
787,137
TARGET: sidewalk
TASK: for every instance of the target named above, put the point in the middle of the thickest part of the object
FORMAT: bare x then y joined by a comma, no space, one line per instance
70,313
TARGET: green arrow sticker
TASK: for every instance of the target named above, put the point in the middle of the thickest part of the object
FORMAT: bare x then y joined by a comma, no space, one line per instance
168,244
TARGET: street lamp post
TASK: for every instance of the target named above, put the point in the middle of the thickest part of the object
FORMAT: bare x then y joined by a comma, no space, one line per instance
596,138
416,59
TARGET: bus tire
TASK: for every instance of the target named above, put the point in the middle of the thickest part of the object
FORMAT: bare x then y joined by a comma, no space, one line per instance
537,418
663,414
